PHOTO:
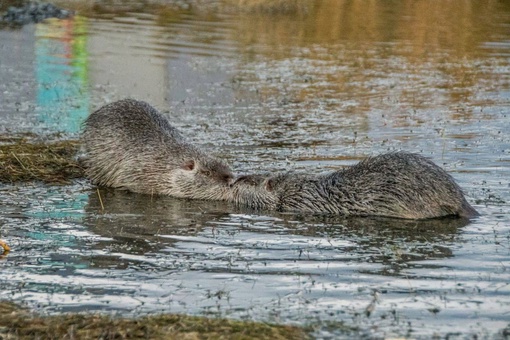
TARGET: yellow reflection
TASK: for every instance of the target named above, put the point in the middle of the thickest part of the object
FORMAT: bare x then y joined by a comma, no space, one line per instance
423,53
423,26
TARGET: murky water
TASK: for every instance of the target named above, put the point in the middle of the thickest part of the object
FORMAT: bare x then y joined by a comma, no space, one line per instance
311,87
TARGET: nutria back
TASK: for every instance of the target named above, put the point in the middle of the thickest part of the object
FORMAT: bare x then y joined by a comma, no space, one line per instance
399,184
128,144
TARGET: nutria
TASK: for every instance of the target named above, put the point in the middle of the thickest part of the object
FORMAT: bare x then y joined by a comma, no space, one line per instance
399,184
128,144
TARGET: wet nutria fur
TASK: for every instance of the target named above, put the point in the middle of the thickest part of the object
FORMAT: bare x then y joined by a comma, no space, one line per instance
130,145
399,184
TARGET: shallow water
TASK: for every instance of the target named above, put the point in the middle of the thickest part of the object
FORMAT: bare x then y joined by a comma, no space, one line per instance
312,87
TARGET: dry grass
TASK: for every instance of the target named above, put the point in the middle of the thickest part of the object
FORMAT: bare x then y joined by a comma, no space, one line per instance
24,159
18,323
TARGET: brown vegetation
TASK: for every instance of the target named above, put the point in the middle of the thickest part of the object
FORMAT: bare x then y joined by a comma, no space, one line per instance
22,159
18,323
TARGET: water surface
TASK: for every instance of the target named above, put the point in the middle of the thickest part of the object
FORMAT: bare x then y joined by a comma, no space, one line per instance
315,86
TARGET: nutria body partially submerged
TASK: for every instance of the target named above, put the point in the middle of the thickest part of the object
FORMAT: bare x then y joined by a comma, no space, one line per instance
399,184
128,144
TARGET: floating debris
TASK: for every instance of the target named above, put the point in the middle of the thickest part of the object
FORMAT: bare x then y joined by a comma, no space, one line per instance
5,247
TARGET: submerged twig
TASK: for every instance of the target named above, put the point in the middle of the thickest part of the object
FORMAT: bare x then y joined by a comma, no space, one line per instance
100,199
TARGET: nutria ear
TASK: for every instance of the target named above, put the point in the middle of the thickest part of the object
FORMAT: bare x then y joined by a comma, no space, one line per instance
189,165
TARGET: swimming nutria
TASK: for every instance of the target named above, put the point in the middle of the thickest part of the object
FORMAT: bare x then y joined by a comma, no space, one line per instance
399,184
129,144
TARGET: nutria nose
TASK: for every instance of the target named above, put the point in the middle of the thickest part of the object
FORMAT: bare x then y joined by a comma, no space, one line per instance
248,179
230,181
234,181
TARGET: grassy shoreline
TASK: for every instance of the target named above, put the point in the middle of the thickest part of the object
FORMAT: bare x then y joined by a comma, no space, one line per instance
19,323
23,159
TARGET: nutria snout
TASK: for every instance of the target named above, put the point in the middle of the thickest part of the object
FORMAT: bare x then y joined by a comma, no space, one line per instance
399,184
128,144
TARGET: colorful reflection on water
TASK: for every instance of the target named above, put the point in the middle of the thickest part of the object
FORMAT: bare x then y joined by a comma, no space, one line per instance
61,72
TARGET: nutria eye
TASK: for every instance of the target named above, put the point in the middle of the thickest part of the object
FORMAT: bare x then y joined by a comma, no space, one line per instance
189,165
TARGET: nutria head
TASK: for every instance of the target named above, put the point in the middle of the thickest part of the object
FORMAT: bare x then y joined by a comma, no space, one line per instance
200,178
255,191
130,145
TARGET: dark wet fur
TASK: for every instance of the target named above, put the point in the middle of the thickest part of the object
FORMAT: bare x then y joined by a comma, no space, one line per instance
399,184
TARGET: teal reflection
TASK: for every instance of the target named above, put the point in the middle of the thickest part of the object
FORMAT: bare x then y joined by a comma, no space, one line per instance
62,74
55,207
57,216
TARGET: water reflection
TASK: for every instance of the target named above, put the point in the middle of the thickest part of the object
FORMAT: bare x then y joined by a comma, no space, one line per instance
417,28
145,254
138,224
61,71
415,53
135,222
